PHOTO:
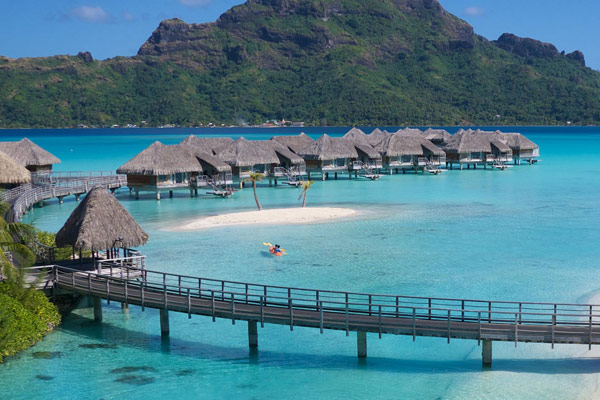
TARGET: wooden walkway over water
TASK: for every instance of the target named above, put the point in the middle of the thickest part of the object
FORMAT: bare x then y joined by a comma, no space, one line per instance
45,186
123,280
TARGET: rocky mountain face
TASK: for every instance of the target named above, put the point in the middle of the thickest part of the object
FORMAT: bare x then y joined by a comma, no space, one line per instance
377,62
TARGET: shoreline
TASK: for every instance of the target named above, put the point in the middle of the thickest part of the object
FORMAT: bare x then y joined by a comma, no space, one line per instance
278,216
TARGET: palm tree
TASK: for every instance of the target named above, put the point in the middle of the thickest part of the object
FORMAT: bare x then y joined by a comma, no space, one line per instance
305,186
16,241
255,177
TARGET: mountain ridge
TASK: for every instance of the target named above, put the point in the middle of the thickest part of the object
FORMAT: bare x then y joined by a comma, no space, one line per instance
380,62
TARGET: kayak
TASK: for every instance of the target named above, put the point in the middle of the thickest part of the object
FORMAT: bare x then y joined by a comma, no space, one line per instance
276,252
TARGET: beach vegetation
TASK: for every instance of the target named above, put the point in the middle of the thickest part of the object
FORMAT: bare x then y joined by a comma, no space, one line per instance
255,177
306,185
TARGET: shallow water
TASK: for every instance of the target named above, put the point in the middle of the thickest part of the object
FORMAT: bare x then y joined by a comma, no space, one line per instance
528,233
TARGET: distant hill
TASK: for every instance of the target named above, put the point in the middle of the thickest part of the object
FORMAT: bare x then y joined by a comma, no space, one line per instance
324,62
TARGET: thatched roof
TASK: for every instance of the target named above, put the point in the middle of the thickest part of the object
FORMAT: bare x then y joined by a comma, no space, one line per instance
356,135
516,141
364,148
159,159
100,222
283,152
410,131
26,153
206,145
467,141
377,136
437,135
208,160
246,153
11,172
294,143
408,143
328,148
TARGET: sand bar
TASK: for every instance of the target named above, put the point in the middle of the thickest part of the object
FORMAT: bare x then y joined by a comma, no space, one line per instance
281,216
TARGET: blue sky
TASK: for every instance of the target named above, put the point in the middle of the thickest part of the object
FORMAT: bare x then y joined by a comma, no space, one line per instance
107,28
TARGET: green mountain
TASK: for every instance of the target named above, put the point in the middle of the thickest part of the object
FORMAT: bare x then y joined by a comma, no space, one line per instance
325,62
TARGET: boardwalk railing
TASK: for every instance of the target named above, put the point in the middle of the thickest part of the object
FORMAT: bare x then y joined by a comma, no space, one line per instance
26,196
480,320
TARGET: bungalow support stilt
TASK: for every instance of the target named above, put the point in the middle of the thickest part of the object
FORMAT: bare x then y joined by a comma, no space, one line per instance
252,334
361,344
157,195
170,194
60,199
164,322
97,309
486,353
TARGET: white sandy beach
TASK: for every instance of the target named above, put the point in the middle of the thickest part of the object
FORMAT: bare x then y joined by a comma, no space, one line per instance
281,216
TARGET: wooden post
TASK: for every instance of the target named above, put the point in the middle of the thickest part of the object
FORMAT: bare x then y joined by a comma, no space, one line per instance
252,334
335,175
486,353
60,199
137,194
361,343
164,322
170,194
97,309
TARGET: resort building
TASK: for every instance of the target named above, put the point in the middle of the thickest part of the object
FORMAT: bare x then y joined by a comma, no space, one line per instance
216,172
161,168
247,156
291,165
408,150
377,136
369,160
523,149
30,155
469,147
327,154
12,173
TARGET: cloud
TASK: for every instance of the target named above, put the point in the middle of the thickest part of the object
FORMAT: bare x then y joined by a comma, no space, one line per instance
196,3
88,14
475,11
128,16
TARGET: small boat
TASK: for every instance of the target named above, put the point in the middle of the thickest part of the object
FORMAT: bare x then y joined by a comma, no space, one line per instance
373,177
221,192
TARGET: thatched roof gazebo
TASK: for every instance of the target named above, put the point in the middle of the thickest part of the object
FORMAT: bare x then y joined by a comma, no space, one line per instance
29,155
11,172
245,156
100,223
161,167
294,143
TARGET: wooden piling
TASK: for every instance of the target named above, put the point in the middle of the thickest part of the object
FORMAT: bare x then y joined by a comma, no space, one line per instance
361,344
97,309
252,334
164,322
486,353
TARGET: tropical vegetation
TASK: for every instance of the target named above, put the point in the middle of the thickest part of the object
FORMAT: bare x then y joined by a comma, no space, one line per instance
323,62
255,177
306,185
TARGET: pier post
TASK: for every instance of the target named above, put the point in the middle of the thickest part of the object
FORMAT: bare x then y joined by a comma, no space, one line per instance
130,191
270,182
164,322
191,192
97,309
196,192
361,344
335,175
60,199
275,181
170,194
252,334
486,353
137,194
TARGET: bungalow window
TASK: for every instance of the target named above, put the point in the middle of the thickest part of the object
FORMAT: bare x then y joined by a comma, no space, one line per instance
475,155
340,162
406,159
180,177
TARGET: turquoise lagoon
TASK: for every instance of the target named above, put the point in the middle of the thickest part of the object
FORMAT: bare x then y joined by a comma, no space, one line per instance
528,233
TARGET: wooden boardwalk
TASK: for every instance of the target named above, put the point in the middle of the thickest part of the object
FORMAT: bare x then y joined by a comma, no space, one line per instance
483,321
56,185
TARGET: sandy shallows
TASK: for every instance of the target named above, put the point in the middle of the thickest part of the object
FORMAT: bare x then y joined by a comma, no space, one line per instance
281,216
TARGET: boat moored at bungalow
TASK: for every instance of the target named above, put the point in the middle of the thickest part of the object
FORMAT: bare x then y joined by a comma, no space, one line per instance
161,168
469,147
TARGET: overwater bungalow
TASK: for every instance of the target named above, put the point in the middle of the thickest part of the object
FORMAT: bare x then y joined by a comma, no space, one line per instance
469,147
294,143
12,173
247,156
327,154
291,165
369,160
216,172
30,155
98,223
437,136
523,149
161,168
407,150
